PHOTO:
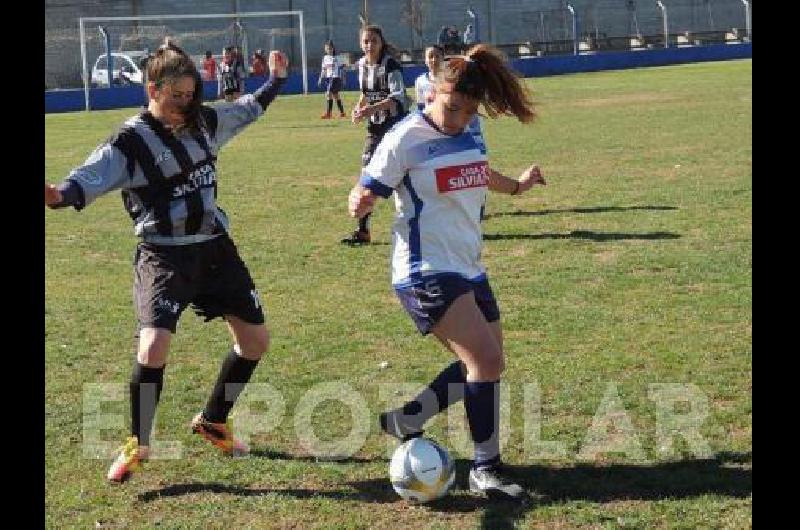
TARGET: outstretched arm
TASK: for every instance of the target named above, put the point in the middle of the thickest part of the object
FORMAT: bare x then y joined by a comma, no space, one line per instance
103,171
227,119
503,184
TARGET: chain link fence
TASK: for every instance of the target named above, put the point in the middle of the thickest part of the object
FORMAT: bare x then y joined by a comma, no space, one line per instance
526,28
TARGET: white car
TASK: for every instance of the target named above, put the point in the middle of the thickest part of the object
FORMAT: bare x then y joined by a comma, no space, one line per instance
127,69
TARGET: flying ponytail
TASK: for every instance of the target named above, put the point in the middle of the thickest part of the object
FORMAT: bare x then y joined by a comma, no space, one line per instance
484,74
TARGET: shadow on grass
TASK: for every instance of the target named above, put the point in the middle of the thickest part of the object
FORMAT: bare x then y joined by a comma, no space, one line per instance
590,209
722,475
280,455
585,234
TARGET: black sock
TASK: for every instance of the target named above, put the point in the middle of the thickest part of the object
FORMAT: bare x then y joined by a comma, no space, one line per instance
339,104
234,374
446,388
363,223
330,105
145,386
482,402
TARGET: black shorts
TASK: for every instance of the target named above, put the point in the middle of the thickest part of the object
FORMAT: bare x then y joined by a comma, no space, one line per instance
210,275
428,301
333,86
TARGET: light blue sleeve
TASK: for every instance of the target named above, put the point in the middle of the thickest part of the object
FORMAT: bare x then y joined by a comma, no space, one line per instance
234,116
103,171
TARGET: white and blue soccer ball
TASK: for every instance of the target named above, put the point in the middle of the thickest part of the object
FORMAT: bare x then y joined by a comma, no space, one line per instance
421,470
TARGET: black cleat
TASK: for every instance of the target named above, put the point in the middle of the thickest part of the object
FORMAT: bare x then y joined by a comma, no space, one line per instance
359,237
391,424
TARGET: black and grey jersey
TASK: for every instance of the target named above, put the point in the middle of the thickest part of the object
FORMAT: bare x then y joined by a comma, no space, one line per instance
381,81
168,181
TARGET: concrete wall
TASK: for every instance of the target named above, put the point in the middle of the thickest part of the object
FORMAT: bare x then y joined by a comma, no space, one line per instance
501,21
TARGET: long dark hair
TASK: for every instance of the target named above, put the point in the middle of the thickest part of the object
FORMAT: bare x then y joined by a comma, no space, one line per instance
484,74
330,43
170,63
386,48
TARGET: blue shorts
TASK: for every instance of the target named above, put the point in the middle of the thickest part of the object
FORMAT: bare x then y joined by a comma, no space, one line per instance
428,301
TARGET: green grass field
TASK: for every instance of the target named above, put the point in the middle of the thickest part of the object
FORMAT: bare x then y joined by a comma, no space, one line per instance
631,269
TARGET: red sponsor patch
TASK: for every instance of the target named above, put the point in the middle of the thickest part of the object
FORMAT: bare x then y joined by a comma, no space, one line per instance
454,178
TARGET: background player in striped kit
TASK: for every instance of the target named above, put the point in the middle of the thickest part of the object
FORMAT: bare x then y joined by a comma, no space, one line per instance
163,160
382,103
439,176
231,75
331,73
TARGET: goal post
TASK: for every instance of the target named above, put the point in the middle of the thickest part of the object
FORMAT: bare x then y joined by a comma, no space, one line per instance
236,18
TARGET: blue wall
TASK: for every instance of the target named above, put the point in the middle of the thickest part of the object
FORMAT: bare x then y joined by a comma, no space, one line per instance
121,97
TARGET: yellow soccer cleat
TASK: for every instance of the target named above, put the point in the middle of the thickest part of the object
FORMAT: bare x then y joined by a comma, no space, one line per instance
128,461
219,434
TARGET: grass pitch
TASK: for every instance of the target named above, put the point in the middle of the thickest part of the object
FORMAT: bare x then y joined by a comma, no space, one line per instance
630,271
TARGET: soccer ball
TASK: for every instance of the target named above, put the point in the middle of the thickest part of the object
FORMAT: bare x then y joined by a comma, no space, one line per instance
421,470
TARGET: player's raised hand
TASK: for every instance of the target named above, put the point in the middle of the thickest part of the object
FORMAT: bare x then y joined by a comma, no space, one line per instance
278,64
360,202
51,195
530,177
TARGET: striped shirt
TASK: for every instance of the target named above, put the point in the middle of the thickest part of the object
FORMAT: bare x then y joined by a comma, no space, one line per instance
230,77
168,182
381,81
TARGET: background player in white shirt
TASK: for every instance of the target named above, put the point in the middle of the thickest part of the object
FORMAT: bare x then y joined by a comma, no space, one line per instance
331,73
439,176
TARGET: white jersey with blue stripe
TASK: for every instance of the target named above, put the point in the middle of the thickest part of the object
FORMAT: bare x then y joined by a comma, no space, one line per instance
439,183
423,86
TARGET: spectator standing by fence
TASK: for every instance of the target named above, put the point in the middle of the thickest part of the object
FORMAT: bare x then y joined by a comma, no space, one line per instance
258,64
209,67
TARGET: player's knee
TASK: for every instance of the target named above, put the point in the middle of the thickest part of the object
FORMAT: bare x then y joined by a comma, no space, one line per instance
490,365
255,345
153,347
493,366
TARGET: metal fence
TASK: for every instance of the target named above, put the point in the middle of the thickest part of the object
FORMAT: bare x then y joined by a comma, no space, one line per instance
518,27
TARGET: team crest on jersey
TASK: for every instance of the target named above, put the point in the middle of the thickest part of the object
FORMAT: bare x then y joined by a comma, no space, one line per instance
454,178
434,147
